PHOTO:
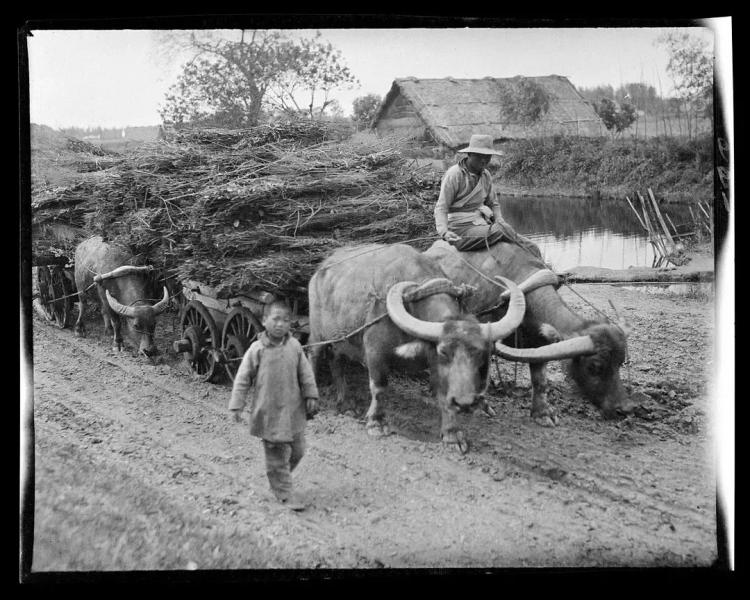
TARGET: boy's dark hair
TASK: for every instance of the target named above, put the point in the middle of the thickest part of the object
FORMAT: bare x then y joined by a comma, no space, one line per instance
276,304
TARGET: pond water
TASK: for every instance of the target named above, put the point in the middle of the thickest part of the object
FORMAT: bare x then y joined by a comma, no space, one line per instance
587,232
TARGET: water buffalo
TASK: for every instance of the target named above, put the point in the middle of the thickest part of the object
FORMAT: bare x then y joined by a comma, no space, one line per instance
123,289
550,330
356,285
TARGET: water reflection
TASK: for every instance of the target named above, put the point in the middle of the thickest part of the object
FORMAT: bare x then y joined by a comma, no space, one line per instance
587,232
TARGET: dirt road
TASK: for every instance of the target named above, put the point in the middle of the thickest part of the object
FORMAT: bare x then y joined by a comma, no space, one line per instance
139,467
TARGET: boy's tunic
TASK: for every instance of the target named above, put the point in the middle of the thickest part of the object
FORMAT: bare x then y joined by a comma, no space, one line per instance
282,378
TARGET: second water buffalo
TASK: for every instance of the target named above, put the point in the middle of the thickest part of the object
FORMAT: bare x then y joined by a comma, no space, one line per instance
550,330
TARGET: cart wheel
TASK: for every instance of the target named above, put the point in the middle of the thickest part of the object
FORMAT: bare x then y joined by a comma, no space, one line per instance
46,292
241,327
201,337
62,307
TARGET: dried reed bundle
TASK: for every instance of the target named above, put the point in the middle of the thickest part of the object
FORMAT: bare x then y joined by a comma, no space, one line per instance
251,208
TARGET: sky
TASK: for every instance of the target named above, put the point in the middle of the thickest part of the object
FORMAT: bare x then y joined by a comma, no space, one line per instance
114,78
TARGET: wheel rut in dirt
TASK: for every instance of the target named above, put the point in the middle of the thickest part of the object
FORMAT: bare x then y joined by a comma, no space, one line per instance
586,493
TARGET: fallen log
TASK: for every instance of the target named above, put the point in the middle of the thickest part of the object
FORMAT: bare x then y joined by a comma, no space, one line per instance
636,275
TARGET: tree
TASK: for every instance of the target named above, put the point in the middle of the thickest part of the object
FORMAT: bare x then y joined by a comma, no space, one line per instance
640,95
364,109
523,100
691,68
231,83
313,67
615,118
595,93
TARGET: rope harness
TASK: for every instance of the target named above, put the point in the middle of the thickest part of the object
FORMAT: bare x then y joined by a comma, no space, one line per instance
462,293
428,288
99,277
422,291
570,287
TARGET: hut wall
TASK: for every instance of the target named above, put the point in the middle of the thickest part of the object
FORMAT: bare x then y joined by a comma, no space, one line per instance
401,119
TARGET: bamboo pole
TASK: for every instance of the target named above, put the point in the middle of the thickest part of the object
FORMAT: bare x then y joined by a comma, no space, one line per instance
636,213
661,219
672,224
655,239
710,219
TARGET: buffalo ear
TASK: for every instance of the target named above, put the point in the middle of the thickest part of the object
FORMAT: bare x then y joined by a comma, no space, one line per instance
549,333
411,349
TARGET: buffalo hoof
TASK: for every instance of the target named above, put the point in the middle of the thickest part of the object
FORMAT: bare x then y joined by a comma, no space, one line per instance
485,407
377,429
80,332
456,440
545,418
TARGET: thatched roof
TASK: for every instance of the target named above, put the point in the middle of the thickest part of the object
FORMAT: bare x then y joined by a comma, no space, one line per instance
454,109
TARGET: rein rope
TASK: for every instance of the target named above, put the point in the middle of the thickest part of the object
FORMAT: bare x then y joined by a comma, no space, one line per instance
467,263
562,282
379,317
350,334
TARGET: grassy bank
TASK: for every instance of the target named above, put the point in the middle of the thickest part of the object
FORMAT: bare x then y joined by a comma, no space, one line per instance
675,169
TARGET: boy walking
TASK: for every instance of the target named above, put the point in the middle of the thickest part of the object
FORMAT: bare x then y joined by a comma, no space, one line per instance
285,396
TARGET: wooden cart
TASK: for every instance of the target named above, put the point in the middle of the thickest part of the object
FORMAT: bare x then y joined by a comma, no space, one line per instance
216,332
53,289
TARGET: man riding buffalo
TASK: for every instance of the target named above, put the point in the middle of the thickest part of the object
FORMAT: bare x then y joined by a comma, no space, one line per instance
467,213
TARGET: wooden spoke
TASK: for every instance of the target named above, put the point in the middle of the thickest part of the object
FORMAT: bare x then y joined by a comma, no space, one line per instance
199,327
46,292
62,307
241,328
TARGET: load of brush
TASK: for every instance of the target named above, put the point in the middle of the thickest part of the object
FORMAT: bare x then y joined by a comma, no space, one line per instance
254,208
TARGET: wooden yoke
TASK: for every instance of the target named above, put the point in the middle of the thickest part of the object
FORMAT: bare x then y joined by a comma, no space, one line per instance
438,286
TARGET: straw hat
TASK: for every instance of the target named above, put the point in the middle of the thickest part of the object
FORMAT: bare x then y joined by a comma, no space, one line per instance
481,144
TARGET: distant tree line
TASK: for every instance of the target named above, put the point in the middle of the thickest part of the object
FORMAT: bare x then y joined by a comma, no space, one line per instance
690,68
146,132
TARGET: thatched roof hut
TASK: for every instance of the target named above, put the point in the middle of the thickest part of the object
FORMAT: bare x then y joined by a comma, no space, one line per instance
447,111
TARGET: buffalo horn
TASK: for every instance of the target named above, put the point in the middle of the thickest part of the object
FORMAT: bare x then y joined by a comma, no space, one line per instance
127,311
536,280
122,271
513,317
426,330
571,348
162,304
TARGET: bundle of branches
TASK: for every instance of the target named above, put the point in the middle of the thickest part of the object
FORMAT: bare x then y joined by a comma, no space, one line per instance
296,131
61,219
257,208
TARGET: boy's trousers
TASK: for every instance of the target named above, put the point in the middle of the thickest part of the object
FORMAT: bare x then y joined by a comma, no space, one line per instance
281,459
